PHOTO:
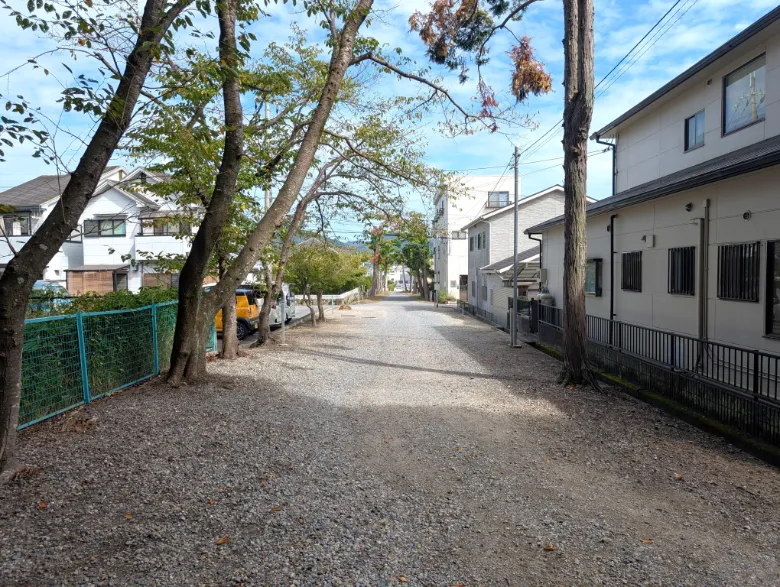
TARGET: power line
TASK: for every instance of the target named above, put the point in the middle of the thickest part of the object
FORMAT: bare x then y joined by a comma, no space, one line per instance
547,136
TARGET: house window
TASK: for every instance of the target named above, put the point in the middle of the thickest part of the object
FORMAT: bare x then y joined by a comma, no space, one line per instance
593,277
631,278
111,227
744,93
498,199
464,281
458,235
694,131
773,288
682,271
471,243
163,227
738,271
120,281
15,224
491,296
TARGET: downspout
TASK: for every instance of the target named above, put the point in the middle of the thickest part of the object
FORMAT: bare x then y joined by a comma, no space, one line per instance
611,273
704,245
538,240
614,161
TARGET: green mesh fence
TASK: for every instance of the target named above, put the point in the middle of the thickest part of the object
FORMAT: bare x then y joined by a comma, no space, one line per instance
51,373
119,347
166,324
110,350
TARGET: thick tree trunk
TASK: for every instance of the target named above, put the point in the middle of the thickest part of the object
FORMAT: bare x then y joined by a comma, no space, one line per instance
31,261
230,341
578,111
262,234
424,282
192,306
264,331
320,306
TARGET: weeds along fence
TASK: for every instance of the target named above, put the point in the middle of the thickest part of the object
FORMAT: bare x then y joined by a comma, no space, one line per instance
73,359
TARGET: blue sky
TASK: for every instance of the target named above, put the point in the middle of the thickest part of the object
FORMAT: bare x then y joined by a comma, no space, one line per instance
694,29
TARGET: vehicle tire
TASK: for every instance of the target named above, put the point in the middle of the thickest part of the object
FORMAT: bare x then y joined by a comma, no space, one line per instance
241,331
287,318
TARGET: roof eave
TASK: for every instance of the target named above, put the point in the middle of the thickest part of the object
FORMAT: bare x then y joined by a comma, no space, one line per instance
745,35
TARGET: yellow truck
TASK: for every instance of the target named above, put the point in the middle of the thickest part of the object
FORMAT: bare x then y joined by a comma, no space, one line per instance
247,312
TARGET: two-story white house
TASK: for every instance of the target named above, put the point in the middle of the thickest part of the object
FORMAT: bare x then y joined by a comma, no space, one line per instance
491,251
690,240
120,233
464,199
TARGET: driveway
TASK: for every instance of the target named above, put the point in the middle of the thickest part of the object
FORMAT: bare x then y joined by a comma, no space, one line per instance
396,444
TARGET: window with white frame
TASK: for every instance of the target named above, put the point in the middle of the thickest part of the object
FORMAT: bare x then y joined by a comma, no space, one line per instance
15,224
498,199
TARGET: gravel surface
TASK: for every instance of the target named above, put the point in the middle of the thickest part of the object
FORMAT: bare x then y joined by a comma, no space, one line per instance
397,443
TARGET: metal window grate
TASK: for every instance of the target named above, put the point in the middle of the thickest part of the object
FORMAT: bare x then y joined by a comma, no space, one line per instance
738,271
682,271
631,278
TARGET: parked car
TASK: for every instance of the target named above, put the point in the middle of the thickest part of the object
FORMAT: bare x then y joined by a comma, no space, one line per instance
47,296
289,307
247,311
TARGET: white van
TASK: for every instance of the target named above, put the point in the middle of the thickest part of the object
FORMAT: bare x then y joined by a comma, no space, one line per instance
289,307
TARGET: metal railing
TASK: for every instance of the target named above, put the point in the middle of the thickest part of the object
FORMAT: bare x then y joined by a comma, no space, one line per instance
72,359
475,311
738,386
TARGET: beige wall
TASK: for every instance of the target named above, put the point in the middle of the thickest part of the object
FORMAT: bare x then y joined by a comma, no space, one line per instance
665,219
651,144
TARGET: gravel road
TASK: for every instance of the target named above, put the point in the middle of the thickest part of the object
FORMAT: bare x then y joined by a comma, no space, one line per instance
395,444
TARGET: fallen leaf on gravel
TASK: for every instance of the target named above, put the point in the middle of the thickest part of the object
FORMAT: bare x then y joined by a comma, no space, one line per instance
548,461
549,548
275,508
223,540
128,516
43,505
678,476
212,502
402,579
457,448
646,541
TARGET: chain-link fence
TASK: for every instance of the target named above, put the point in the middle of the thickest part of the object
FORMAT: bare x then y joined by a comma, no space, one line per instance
73,359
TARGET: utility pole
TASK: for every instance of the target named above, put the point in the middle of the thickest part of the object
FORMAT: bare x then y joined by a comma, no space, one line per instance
513,314
281,314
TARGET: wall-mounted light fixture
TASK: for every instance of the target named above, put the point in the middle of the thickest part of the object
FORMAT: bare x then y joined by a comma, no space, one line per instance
747,215
688,207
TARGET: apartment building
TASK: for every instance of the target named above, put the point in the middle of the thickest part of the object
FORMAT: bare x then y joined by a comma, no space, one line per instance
690,240
461,201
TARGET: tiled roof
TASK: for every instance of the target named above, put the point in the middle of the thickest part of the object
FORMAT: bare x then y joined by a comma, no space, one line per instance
35,192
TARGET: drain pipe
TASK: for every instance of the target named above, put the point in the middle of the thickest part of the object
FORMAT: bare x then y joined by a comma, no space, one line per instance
614,161
538,240
704,245
612,266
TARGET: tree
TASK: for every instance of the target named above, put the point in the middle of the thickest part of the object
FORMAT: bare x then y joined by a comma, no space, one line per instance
455,31
80,26
577,115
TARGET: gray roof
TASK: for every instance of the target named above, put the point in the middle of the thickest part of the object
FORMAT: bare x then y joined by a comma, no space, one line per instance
35,192
751,158
521,255
98,268
729,45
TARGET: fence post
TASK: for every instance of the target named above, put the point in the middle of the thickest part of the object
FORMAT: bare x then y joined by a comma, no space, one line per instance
82,357
534,316
154,340
671,343
756,393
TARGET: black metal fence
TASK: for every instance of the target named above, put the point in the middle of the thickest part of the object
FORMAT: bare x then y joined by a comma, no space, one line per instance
475,311
738,387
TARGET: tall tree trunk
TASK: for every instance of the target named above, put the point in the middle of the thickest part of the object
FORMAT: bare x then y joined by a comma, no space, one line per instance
31,261
229,323
191,307
262,234
320,306
424,281
230,342
577,114
375,273
264,328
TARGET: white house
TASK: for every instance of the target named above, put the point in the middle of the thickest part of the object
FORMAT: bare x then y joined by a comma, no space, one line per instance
122,229
491,250
690,241
463,200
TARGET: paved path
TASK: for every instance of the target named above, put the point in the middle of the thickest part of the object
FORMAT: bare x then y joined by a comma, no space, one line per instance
397,444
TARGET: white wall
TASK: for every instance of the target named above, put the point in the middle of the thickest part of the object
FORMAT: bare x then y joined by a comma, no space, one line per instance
651,143
735,322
